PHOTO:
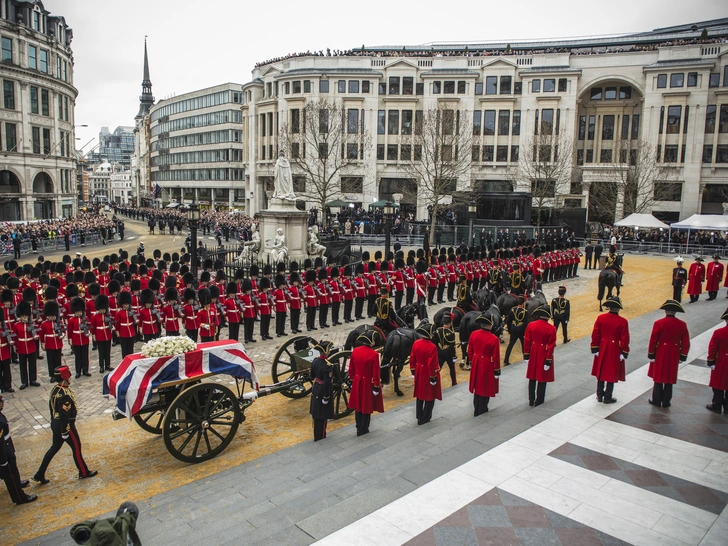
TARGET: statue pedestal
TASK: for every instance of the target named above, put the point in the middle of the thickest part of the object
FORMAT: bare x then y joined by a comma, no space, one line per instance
294,223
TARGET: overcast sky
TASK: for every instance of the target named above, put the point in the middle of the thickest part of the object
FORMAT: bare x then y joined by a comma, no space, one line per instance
197,44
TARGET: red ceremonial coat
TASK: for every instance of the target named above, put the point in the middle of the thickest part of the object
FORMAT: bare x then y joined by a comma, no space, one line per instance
718,356
696,276
99,329
124,323
540,340
76,335
484,357
425,365
714,276
669,345
364,374
610,338
24,339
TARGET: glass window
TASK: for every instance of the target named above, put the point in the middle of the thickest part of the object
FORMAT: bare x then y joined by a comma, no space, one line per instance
580,157
725,76
491,85
448,121
477,122
516,122
662,119
419,115
661,81
605,156
306,86
625,127
670,154
549,85
535,125
33,57
436,87
408,84
382,88
323,121
353,86
504,122
475,153
323,86
393,122
44,61
677,80
297,86
9,95
635,126
714,80
420,88
295,120
381,122
721,154
33,100
673,120
547,121
562,85
489,122
685,121
710,111
44,103
505,85
352,121
517,88
536,86
607,127
65,108
11,141
365,86
488,153
406,122
461,87
478,88
723,121
590,129
392,151
582,127
625,93
610,93
341,86
692,79
596,93
36,139
515,152
394,85
7,49
501,154
590,156
352,150
380,152
449,88
287,88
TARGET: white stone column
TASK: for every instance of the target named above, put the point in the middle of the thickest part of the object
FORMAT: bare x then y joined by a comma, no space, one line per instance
619,206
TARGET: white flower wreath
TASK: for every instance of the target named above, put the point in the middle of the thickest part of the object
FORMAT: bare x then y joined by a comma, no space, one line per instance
168,346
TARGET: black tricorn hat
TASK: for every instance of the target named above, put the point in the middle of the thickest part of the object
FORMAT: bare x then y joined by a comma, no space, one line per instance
77,305
124,298
673,305
614,301
101,302
543,312
485,319
425,329
50,309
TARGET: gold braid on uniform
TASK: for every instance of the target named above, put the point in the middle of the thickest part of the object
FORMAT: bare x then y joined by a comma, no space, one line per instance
516,277
519,314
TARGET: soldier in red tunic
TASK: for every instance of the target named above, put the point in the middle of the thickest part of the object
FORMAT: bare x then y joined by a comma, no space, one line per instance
540,340
25,340
372,288
125,324
336,296
366,390
696,276
669,345
295,301
78,336
718,363
234,310
189,314
205,316
610,347
6,337
149,316
425,368
281,305
347,293
714,276
264,306
171,312
101,326
485,364
360,291
249,311
398,282
311,298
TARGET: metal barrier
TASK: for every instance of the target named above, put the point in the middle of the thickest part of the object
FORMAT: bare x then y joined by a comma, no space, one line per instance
58,243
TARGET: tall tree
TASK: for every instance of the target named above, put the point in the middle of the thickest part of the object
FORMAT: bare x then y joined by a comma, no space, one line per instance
436,152
324,141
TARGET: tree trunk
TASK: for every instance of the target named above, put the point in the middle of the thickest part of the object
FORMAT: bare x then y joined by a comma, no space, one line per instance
432,223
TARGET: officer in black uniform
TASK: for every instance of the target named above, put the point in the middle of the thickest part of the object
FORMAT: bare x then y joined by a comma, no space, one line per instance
561,311
444,339
516,323
62,405
322,407
679,279
516,278
385,317
9,464
464,297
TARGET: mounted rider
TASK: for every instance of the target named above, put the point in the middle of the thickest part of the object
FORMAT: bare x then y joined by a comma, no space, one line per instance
612,263
386,318
518,286
464,297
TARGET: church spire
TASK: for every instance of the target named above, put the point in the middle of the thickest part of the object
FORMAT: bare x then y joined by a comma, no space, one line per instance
146,99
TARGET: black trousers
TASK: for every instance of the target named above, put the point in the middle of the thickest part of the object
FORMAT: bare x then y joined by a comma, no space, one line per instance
104,349
73,441
28,368
6,377
234,330
431,295
192,334
359,308
588,261
80,353
450,291
54,360
558,321
248,326
362,422
448,357
127,346
423,410
604,389
720,398
371,299
149,337
295,319
536,392
480,404
712,295
319,429
409,295
348,304
310,318
171,333
264,325
11,474
398,296
515,336
335,307
323,315
440,292
207,339
677,293
280,323
662,394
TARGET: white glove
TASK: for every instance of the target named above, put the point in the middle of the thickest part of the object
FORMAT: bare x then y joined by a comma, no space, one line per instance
713,367
546,368
596,354
375,392
433,381
64,436
652,361
621,357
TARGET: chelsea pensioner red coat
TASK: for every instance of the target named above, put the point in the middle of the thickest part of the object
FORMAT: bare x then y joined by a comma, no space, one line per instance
718,356
669,345
484,357
696,276
364,374
610,340
540,340
424,364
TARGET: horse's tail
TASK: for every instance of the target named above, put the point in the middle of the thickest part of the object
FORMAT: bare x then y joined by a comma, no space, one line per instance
602,284
385,375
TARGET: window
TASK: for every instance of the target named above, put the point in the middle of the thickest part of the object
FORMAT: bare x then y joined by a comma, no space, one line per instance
635,126
668,191
677,80
449,88
625,93
491,85
36,139
580,157
670,154
352,184
295,150
505,85
515,154
323,86
504,122
562,85
323,121
381,121
11,141
547,121
393,122
582,127
341,86
33,57
590,156
417,152
549,86
352,149
406,122
501,154
662,119
382,88
625,127
448,121
7,49
392,152
489,122
44,61
352,121
380,152
518,88
661,81
516,122
536,86
488,153
405,152
436,88
365,86
461,87
419,115
65,108
673,120
692,79
33,100
287,88
420,88
44,102
306,86
353,86
299,184
707,153
477,122
590,130
714,80
408,84
685,121
295,120
296,86
535,125
608,128
723,121
478,88
9,94
596,93
725,76
710,118
394,85
323,150
36,20
721,154
475,153
605,156
610,93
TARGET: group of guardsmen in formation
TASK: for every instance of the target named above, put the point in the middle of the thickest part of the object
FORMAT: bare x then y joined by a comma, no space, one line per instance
121,300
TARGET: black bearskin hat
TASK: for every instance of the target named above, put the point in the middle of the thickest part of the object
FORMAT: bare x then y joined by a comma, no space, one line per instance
77,305
280,280
264,283
124,298
310,275
171,294
101,302
204,296
23,309
189,294
421,266
323,275
146,296
231,288
50,309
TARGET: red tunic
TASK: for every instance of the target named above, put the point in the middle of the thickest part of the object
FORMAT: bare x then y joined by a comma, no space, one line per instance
610,338
295,299
148,322
99,329
718,356
279,298
372,289
264,304
540,340
669,345
425,365
398,281
5,345
310,293
75,335
24,339
360,287
124,323
248,306
696,276
171,317
364,374
714,275
347,290
232,310
484,357
206,321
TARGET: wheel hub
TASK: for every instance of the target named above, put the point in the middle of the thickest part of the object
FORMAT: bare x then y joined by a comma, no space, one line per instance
205,424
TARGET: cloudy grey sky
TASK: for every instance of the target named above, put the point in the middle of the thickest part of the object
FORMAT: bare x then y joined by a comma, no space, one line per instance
196,44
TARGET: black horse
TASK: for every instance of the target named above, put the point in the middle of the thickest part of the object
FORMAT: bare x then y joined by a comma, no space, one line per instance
609,280
534,302
457,315
506,302
484,298
405,318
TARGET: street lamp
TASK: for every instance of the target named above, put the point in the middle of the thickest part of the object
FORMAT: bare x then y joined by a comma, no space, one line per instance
388,213
193,219
472,209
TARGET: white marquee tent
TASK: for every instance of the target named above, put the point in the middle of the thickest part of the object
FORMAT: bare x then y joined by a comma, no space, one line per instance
716,222
642,221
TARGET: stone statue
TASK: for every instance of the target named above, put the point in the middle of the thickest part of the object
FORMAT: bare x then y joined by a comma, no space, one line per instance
252,247
314,248
283,188
279,251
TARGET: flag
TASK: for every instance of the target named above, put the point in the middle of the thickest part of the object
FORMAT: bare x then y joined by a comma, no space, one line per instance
132,382
156,190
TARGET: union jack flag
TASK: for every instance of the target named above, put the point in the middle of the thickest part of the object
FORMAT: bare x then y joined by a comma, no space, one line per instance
132,382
